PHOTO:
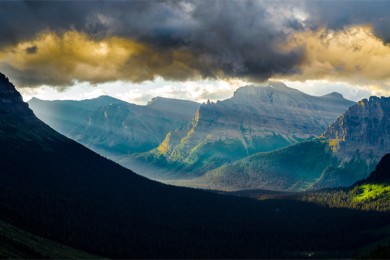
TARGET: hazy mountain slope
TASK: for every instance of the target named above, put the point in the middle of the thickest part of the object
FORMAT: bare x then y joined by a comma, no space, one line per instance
111,126
347,152
65,116
255,119
58,189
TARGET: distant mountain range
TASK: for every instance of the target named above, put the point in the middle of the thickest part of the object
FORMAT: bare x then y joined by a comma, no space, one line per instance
178,138
256,119
346,152
111,126
264,137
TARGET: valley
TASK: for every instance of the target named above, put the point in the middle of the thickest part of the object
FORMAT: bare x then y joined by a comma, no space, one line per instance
68,194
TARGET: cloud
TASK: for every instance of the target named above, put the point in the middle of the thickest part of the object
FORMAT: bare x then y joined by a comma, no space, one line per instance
339,15
181,40
60,60
195,39
353,55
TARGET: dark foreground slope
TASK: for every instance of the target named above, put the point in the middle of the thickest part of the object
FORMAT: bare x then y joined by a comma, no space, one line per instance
58,189
19,244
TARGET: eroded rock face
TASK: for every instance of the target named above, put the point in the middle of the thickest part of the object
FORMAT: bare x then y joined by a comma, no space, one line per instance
364,131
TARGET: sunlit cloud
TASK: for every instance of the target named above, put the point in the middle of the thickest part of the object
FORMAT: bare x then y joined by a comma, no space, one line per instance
60,60
353,55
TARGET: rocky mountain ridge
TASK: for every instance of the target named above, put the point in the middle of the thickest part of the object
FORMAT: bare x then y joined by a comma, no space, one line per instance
365,125
256,119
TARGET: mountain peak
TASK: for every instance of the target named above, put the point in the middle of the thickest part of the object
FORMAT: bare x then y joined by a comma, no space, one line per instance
10,98
277,85
334,95
160,99
173,106
8,92
362,129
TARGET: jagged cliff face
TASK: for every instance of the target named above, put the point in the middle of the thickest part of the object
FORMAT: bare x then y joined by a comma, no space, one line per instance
364,131
255,119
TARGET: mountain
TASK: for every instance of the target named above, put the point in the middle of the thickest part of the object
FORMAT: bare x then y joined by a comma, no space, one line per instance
346,152
111,126
255,119
358,140
55,188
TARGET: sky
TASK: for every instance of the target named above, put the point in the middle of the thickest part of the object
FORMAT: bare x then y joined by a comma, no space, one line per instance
197,50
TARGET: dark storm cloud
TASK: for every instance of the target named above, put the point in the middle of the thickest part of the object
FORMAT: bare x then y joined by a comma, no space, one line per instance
340,14
232,38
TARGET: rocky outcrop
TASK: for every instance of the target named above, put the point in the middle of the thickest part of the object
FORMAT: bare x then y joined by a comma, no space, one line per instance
364,131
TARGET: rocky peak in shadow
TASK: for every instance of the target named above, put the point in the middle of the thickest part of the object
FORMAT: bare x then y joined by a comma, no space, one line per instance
10,99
